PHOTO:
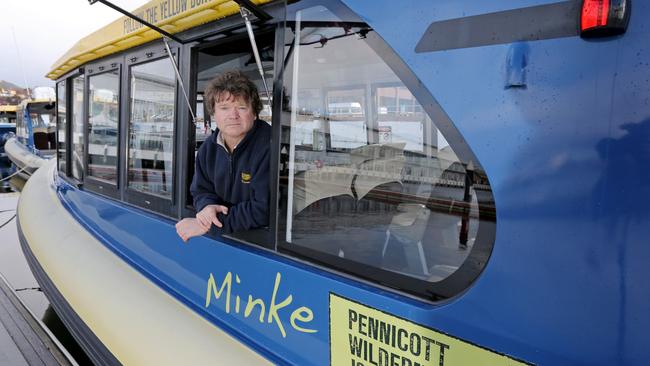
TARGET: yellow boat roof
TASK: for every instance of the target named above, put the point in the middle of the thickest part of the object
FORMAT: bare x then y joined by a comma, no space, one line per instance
8,108
173,16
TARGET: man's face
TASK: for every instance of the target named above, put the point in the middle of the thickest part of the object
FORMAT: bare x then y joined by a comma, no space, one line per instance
234,117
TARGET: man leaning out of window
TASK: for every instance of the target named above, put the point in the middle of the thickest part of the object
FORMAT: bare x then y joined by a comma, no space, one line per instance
231,178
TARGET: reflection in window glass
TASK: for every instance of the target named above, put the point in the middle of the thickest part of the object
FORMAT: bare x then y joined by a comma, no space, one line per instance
306,124
21,130
366,175
202,125
103,116
77,127
151,128
400,117
347,120
61,123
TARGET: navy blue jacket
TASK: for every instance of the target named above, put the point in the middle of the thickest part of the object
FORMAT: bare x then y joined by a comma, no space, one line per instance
239,181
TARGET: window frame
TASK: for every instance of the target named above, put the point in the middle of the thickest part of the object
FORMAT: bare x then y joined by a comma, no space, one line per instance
70,125
65,128
195,49
264,238
147,201
91,183
212,33
67,175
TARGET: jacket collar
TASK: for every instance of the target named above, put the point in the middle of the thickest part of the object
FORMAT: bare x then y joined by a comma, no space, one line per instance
218,137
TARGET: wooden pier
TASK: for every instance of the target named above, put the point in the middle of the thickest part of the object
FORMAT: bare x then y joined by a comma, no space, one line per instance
23,339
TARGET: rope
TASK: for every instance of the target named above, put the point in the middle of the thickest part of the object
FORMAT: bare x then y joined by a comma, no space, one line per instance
29,289
16,172
8,221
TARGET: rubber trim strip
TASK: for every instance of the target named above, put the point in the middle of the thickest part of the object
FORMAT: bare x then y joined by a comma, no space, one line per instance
557,20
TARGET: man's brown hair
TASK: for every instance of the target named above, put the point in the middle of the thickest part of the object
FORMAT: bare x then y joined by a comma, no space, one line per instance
232,84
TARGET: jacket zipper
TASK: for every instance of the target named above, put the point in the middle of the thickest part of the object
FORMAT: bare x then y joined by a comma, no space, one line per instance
231,171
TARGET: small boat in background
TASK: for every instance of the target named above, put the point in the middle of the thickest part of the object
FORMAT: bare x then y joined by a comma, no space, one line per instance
7,130
8,114
36,126
35,138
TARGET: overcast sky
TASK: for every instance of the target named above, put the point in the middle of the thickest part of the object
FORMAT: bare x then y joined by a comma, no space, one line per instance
44,30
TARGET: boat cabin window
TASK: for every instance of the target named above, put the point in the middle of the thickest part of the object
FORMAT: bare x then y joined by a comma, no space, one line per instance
151,128
61,126
215,59
8,116
371,187
41,119
103,118
77,148
21,129
42,116
35,124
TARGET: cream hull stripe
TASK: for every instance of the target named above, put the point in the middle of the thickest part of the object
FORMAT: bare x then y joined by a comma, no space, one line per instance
137,321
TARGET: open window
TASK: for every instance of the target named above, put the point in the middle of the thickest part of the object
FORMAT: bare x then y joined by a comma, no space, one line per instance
211,60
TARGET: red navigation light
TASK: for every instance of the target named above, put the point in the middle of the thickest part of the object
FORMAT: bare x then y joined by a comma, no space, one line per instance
602,18
594,14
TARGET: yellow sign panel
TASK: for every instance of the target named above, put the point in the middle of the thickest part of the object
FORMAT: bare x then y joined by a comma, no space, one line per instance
363,336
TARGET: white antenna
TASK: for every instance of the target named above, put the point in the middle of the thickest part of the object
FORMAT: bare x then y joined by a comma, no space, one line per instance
20,62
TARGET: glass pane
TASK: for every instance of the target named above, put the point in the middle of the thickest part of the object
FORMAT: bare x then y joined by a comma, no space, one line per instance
347,118
400,117
77,127
368,177
103,117
21,129
41,115
202,127
151,128
61,123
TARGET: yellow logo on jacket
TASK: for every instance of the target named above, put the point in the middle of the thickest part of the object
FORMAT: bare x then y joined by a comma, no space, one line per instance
245,177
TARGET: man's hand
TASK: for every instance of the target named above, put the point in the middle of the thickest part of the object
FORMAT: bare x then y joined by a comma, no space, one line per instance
208,215
190,227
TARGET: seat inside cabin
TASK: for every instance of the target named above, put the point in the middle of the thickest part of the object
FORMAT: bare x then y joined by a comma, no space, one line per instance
372,212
